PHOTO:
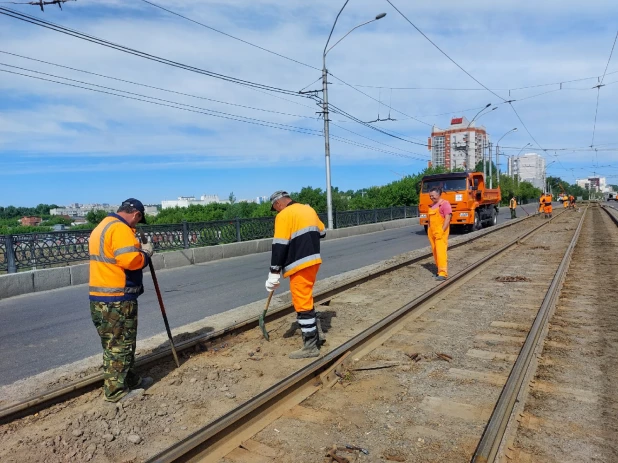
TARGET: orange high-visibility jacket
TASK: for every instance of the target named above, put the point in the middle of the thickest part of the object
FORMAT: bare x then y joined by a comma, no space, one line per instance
512,203
116,261
296,244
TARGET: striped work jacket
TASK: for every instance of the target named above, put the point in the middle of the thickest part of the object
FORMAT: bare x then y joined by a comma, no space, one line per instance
296,244
116,261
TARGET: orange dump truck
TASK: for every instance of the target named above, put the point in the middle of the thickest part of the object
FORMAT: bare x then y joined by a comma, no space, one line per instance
473,204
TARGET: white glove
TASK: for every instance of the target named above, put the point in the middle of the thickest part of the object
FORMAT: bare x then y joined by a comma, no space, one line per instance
273,282
148,249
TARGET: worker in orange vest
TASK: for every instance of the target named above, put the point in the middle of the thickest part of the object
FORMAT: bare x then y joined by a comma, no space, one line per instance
513,207
547,205
572,201
439,216
116,262
296,254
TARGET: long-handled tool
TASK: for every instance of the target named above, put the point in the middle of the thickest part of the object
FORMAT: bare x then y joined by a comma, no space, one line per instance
262,322
158,291
522,208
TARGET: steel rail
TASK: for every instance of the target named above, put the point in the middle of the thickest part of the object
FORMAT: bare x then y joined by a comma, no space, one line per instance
197,446
66,392
611,214
494,432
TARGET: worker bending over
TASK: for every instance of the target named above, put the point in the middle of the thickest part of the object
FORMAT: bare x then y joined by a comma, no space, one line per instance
572,201
547,205
296,254
439,216
513,207
116,263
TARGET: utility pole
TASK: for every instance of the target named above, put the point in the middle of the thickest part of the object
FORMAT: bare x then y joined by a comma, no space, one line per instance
329,202
491,182
329,199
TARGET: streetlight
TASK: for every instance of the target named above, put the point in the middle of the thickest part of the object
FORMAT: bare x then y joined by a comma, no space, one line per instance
545,177
476,117
329,199
497,158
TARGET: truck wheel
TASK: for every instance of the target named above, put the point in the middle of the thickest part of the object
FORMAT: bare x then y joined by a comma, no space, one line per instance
494,219
426,229
477,221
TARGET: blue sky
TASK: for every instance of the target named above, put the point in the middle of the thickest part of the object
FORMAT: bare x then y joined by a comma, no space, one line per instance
61,144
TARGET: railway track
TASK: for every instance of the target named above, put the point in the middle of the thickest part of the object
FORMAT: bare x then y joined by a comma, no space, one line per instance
245,432
569,413
396,361
47,398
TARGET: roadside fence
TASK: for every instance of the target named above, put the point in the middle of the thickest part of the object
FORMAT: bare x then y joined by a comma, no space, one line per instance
30,251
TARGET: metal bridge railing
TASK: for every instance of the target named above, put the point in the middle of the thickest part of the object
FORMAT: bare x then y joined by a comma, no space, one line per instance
29,251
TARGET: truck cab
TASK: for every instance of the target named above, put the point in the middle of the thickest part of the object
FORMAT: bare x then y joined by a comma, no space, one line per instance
473,204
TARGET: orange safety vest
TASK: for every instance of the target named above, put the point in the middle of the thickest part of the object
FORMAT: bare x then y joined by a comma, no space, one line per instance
116,261
513,204
296,244
548,205
438,238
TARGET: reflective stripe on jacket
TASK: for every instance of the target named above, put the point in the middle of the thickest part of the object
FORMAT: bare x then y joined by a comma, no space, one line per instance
296,244
116,261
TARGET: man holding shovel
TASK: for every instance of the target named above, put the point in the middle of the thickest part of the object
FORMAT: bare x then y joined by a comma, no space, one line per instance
116,263
296,254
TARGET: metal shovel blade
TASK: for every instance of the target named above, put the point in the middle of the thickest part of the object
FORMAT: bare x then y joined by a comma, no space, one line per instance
263,316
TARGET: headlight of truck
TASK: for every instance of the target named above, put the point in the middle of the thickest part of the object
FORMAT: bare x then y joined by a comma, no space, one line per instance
423,216
463,214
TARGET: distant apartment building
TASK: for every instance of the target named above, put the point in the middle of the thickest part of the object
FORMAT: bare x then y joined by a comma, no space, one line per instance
186,201
30,221
596,184
529,167
151,210
459,146
262,199
80,210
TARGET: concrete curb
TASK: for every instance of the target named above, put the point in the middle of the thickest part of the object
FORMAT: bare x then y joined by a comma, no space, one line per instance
16,284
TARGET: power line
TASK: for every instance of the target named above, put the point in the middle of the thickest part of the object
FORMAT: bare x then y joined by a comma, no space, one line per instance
198,110
598,87
482,89
443,52
610,57
340,111
231,36
377,101
266,50
145,85
41,3
83,36
176,105
375,141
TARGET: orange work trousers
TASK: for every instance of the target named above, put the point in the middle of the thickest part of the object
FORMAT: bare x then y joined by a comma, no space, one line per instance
301,287
438,240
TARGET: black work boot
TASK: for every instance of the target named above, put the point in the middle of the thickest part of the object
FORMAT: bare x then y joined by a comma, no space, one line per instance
310,347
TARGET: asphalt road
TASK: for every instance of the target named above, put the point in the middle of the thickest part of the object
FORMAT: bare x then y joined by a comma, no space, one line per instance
46,330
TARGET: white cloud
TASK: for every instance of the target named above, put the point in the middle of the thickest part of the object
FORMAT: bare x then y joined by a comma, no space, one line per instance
503,44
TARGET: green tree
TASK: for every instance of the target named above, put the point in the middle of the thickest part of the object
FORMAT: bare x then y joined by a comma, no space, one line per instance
95,217
57,220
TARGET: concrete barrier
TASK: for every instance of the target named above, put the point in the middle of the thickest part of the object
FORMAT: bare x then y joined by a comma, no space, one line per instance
51,278
15,284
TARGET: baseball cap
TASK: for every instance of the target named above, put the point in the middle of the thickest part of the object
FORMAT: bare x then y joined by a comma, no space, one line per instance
137,204
276,196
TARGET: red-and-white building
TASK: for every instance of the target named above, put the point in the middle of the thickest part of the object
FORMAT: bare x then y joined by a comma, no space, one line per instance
459,146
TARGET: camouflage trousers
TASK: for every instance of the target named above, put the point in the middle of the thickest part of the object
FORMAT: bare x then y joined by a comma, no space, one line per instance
116,323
